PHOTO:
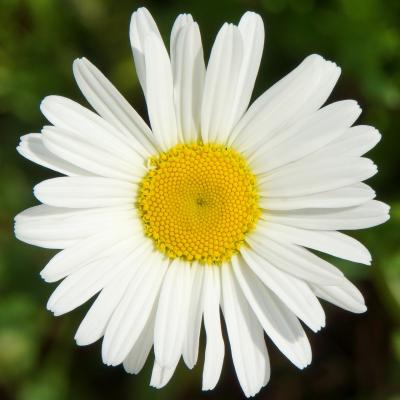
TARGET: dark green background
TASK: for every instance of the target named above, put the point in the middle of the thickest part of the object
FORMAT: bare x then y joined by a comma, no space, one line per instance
356,356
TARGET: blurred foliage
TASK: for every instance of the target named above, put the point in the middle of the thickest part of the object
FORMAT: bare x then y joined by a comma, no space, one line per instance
356,357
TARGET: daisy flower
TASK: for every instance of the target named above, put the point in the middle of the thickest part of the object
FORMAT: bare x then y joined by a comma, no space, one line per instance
213,209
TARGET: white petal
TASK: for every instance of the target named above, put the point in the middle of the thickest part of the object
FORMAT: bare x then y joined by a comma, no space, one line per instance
215,347
354,142
96,319
160,376
280,324
32,148
58,228
246,337
45,212
223,69
317,175
85,192
366,215
83,251
251,28
137,357
77,150
87,126
84,283
293,292
348,196
160,93
191,342
306,136
142,24
133,312
181,21
188,74
172,314
233,66
295,260
112,106
346,296
298,94
334,243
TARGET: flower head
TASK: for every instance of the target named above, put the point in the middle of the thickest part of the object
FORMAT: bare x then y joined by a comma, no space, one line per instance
215,207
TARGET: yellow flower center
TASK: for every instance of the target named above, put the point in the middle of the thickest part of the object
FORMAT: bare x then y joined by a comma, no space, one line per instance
198,202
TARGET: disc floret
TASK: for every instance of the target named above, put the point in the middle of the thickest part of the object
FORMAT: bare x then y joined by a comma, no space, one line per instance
198,202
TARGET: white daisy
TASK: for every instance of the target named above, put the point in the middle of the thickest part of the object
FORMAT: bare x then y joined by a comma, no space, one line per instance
214,207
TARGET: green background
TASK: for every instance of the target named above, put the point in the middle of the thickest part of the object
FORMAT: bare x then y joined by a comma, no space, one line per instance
356,356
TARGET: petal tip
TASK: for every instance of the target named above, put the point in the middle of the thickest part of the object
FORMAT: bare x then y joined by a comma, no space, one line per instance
44,276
